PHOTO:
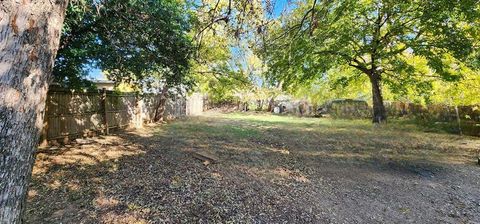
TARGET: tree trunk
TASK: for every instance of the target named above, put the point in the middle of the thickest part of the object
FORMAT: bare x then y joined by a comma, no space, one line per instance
458,120
379,112
245,106
271,104
160,110
259,105
29,38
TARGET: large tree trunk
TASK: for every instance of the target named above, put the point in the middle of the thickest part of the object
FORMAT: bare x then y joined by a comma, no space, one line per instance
160,110
29,38
379,112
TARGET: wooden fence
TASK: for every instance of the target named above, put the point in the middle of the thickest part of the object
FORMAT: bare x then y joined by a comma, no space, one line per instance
74,114
438,112
195,104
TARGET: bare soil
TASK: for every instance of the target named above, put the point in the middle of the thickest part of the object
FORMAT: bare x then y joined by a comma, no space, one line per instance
267,169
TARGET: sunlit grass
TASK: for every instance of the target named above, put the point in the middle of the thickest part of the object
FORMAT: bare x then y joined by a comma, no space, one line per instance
394,124
326,137
121,176
294,121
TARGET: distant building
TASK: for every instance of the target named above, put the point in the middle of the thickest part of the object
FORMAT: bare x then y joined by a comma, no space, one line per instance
107,84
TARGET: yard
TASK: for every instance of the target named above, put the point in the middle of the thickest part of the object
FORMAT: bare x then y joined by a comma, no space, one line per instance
268,169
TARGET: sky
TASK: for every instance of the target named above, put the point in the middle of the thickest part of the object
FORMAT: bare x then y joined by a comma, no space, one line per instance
279,7
95,73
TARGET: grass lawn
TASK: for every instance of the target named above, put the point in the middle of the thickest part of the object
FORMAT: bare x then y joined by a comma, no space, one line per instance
269,169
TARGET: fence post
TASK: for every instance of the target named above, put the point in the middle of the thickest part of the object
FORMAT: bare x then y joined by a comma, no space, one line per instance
138,111
103,103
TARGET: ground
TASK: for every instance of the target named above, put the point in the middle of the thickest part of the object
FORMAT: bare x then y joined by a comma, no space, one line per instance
269,169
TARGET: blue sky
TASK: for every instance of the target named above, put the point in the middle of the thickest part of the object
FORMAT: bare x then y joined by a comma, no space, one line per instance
280,6
95,73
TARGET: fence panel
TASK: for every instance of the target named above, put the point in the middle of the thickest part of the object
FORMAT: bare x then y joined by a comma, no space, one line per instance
194,104
72,114
120,110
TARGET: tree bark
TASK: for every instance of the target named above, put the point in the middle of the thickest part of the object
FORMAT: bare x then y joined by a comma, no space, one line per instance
160,110
271,104
458,120
379,112
29,38
259,105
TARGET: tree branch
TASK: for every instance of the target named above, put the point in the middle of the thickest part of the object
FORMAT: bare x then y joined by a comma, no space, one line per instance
358,64
224,18
304,18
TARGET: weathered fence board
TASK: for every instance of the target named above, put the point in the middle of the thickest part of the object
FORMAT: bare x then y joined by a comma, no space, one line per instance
439,112
195,104
73,114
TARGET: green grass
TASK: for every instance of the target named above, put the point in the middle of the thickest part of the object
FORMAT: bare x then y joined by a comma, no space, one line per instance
328,137
292,121
399,124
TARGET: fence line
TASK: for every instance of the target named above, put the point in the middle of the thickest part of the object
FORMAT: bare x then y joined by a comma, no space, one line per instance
75,114
440,112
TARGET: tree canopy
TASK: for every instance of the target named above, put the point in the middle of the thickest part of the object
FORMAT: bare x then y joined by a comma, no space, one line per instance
376,38
132,41
416,51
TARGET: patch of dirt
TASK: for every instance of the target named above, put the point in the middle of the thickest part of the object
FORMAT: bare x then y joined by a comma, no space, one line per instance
286,172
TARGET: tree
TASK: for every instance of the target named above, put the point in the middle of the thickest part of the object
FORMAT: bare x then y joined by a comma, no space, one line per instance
373,37
338,83
145,42
30,34
135,37
224,31
75,55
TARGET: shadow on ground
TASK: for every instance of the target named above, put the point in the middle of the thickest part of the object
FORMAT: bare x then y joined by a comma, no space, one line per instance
270,169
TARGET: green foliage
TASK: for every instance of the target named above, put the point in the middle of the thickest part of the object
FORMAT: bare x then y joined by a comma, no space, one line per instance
224,66
144,40
383,39
224,85
423,51
76,47
211,69
337,83
135,42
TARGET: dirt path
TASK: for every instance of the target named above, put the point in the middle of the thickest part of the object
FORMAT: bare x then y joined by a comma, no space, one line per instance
270,169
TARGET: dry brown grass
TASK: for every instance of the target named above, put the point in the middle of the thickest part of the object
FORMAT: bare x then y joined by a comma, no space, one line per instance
270,169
